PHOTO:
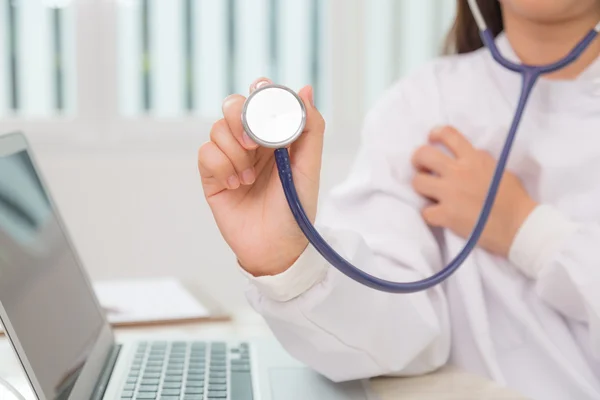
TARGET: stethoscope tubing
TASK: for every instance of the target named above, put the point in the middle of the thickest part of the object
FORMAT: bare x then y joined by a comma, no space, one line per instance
530,75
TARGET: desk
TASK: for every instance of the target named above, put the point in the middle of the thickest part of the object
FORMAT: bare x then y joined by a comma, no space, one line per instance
447,384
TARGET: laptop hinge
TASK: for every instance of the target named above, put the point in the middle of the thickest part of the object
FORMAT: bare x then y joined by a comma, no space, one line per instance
106,373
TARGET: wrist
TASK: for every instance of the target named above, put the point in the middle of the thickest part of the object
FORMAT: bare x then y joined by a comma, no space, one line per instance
278,264
521,211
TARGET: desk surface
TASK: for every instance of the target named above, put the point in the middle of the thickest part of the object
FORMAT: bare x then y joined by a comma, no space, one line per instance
447,384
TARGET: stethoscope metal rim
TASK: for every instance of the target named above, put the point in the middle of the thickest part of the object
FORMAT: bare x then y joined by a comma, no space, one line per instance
289,140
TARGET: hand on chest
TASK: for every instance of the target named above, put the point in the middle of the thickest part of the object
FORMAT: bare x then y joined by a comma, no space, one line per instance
453,171
556,160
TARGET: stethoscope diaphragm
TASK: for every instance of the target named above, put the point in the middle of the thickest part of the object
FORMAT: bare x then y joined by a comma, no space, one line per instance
274,116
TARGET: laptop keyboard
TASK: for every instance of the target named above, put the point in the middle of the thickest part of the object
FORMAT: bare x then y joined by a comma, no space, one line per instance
189,371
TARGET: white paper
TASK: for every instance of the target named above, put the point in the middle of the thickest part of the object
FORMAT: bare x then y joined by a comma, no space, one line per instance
148,300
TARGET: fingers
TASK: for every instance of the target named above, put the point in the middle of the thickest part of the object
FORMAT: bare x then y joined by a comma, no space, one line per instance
213,163
260,82
242,159
428,185
429,158
453,140
232,111
435,215
308,149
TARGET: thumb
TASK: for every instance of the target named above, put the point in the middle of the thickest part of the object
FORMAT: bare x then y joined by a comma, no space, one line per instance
306,152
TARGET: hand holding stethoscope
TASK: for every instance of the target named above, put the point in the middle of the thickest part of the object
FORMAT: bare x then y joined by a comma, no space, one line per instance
275,117
254,217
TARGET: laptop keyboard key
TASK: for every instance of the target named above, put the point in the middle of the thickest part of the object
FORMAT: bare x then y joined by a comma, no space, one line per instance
146,395
217,363
217,395
148,388
170,392
175,372
127,394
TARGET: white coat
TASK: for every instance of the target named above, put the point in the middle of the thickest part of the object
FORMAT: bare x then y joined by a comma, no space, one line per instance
532,321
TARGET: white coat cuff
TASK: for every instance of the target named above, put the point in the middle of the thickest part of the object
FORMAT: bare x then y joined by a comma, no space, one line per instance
308,270
539,238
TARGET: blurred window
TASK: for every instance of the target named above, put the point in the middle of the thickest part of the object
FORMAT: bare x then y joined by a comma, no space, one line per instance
36,58
121,60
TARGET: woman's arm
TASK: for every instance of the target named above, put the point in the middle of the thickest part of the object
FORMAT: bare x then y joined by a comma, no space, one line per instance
562,258
337,326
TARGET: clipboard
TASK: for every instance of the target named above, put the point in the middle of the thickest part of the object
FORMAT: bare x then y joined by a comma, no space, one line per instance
216,313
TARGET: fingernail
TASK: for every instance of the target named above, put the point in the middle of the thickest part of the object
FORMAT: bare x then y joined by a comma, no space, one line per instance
261,84
228,99
248,142
233,182
311,97
248,176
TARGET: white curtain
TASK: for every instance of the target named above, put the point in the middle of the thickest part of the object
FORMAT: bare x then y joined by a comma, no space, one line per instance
401,36
180,58
234,42
45,73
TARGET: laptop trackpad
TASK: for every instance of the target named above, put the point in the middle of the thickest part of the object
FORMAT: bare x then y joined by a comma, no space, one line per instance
302,384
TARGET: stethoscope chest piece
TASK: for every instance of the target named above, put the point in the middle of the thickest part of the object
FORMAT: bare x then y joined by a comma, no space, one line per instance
274,116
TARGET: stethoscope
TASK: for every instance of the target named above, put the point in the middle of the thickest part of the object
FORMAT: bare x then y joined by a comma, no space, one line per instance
274,116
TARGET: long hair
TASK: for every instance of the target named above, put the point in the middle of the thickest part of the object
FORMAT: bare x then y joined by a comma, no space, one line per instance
464,34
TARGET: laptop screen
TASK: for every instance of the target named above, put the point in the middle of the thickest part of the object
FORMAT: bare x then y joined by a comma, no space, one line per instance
43,291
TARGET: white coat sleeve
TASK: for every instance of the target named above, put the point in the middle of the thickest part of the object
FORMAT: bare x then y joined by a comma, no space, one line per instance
340,328
562,258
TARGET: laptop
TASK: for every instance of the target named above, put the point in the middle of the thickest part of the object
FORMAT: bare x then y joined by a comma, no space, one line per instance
66,346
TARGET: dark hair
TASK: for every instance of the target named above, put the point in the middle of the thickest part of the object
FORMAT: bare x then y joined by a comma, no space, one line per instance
464,35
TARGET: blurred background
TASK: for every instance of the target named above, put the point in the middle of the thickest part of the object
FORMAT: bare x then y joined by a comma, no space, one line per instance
116,96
